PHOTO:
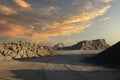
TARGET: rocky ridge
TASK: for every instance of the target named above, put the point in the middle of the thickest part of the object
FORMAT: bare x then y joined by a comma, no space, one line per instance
98,44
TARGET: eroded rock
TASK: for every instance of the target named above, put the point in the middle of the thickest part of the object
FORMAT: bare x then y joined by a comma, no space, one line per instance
98,44
24,50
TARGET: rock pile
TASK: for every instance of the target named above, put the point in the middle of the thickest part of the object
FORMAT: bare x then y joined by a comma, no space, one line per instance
24,50
98,44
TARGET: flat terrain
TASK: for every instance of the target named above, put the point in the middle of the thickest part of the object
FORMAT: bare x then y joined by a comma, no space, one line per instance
69,65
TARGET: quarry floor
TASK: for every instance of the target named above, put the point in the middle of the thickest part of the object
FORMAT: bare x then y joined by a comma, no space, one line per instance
67,65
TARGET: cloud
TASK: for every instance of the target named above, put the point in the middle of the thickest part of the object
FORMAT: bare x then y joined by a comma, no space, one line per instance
2,22
107,1
38,24
66,29
47,11
53,1
86,16
102,1
55,30
7,10
22,3
18,30
75,2
106,18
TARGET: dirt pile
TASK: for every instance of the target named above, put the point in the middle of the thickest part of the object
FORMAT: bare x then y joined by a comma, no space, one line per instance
109,56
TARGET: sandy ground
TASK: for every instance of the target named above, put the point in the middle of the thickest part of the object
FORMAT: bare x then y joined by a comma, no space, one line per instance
71,66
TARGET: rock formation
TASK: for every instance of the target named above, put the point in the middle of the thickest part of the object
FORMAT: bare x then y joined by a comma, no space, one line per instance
24,50
58,46
109,56
97,44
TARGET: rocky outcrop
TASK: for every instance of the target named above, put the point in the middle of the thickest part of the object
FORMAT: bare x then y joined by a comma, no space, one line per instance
59,45
98,44
24,50
109,56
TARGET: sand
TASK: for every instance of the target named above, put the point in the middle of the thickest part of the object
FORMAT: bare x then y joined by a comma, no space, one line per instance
71,66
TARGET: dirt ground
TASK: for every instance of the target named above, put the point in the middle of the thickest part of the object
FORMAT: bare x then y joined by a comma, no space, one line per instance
69,65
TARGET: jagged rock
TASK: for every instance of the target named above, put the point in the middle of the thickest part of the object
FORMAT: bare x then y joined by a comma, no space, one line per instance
24,50
97,44
109,56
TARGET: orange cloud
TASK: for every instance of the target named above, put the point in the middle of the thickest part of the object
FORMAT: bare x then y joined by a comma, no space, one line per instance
3,21
22,3
86,16
107,1
7,10
15,30
57,29
64,28
36,28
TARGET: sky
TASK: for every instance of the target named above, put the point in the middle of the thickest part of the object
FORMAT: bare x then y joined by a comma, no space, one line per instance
59,21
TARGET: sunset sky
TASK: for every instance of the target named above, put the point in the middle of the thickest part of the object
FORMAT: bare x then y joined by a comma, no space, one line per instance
54,21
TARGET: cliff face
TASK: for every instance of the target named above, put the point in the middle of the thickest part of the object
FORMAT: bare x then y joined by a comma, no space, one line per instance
24,50
88,45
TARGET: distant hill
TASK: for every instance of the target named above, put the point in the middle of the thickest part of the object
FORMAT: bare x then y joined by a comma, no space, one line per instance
98,44
109,56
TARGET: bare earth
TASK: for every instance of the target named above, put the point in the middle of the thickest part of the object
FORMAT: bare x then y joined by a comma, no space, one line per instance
71,66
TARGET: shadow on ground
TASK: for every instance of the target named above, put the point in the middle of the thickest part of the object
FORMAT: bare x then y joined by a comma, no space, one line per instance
65,75
74,59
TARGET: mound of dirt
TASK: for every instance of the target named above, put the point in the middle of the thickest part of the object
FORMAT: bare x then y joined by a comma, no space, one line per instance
109,56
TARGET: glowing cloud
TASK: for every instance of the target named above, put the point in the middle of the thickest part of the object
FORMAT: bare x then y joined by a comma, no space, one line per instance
86,16
2,22
22,3
18,30
41,25
107,1
7,10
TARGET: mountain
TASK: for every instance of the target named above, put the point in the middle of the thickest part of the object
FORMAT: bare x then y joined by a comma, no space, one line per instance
98,44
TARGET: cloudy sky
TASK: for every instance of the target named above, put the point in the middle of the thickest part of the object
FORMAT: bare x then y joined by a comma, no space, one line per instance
54,21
